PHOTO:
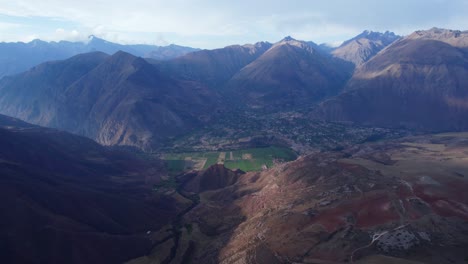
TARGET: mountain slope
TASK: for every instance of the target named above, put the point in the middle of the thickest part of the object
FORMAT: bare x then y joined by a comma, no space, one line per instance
123,100
408,194
127,101
35,95
364,46
214,67
66,199
418,82
213,178
290,73
19,57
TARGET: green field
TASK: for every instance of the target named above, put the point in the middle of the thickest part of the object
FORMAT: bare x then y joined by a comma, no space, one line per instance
251,159
175,165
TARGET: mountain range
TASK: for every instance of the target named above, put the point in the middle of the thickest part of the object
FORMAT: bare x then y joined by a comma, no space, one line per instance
418,82
116,100
126,100
88,154
18,57
290,73
415,82
76,94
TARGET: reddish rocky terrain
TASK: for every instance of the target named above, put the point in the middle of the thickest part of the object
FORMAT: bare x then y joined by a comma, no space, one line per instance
408,195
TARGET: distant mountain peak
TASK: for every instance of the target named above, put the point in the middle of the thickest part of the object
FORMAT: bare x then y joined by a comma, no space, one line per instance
37,42
438,31
364,46
262,43
92,39
366,33
257,44
296,43
386,37
121,53
288,38
455,38
124,58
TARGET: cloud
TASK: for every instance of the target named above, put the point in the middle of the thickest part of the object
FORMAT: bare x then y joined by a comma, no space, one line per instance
211,23
9,26
160,40
70,35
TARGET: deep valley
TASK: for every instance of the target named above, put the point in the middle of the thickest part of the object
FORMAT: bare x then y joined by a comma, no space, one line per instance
285,152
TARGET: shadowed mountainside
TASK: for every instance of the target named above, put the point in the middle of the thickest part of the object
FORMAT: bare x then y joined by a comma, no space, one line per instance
66,199
215,177
417,82
116,100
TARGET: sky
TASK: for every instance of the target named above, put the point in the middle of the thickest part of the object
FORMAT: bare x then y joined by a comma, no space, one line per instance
218,23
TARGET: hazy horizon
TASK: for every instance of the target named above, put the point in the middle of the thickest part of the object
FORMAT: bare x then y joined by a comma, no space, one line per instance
211,24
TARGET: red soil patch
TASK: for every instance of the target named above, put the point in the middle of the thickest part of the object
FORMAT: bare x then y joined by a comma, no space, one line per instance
450,208
354,168
374,211
441,199
332,219
368,211
458,190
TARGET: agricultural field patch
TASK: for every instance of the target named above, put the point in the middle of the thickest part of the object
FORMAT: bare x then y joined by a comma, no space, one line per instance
251,159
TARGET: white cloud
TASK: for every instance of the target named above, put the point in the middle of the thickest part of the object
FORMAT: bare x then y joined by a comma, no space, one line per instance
9,26
70,35
214,23
334,44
